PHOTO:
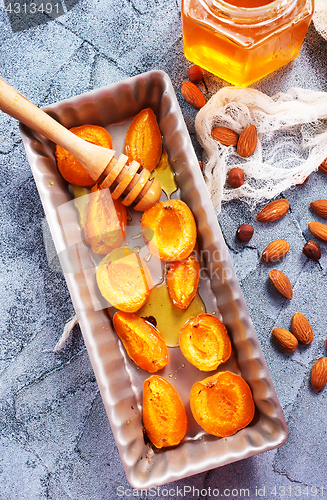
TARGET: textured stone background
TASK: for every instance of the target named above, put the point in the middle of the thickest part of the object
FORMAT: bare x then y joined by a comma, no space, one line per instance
55,439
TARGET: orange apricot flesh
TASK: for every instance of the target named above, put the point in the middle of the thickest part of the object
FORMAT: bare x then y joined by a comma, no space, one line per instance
204,341
182,280
124,279
106,221
222,404
170,230
143,343
164,416
143,142
69,167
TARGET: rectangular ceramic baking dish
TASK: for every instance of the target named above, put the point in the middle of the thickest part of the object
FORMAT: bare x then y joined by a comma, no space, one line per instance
119,381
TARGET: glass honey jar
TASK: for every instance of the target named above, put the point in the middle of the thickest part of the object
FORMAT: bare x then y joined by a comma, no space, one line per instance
243,40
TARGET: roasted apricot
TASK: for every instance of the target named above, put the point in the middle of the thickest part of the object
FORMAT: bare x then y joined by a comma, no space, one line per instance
164,416
143,343
222,404
204,341
182,280
124,279
70,168
170,230
143,142
106,221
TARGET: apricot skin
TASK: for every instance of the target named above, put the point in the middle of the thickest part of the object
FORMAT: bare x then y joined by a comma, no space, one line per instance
142,341
70,168
170,230
182,280
222,404
125,282
105,223
204,341
164,416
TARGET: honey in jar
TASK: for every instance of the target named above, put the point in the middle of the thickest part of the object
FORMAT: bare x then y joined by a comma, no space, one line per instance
243,40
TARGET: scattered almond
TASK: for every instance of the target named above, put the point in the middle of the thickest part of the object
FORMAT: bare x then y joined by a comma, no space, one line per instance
247,141
226,136
281,283
323,166
195,74
319,374
275,250
318,230
301,329
192,94
284,339
236,177
303,182
319,207
244,232
312,250
273,211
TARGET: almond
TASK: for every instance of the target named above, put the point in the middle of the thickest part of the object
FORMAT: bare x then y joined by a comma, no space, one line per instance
226,136
312,250
192,94
301,329
245,232
319,374
195,74
318,230
284,339
236,177
247,141
303,182
281,283
275,251
273,211
319,207
323,166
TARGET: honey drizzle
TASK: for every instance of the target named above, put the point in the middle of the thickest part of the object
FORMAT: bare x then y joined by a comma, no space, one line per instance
170,318
165,175
81,202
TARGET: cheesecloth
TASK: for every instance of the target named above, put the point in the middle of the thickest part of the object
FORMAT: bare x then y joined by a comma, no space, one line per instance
292,141
320,17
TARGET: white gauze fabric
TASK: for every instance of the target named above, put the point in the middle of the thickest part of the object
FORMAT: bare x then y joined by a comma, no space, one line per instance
320,17
292,141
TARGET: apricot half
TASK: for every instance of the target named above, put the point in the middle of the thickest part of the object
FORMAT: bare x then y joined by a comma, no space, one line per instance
70,168
182,280
124,279
170,230
204,341
164,416
143,142
105,222
222,404
143,343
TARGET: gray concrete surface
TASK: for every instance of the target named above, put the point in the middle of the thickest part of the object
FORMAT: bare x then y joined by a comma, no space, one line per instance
55,439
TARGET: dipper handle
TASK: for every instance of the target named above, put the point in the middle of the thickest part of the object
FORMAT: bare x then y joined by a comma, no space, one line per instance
95,159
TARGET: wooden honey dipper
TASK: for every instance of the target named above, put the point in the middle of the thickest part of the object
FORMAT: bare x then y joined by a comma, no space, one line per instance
129,181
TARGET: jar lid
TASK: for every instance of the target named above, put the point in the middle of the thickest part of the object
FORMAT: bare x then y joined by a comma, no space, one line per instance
254,15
